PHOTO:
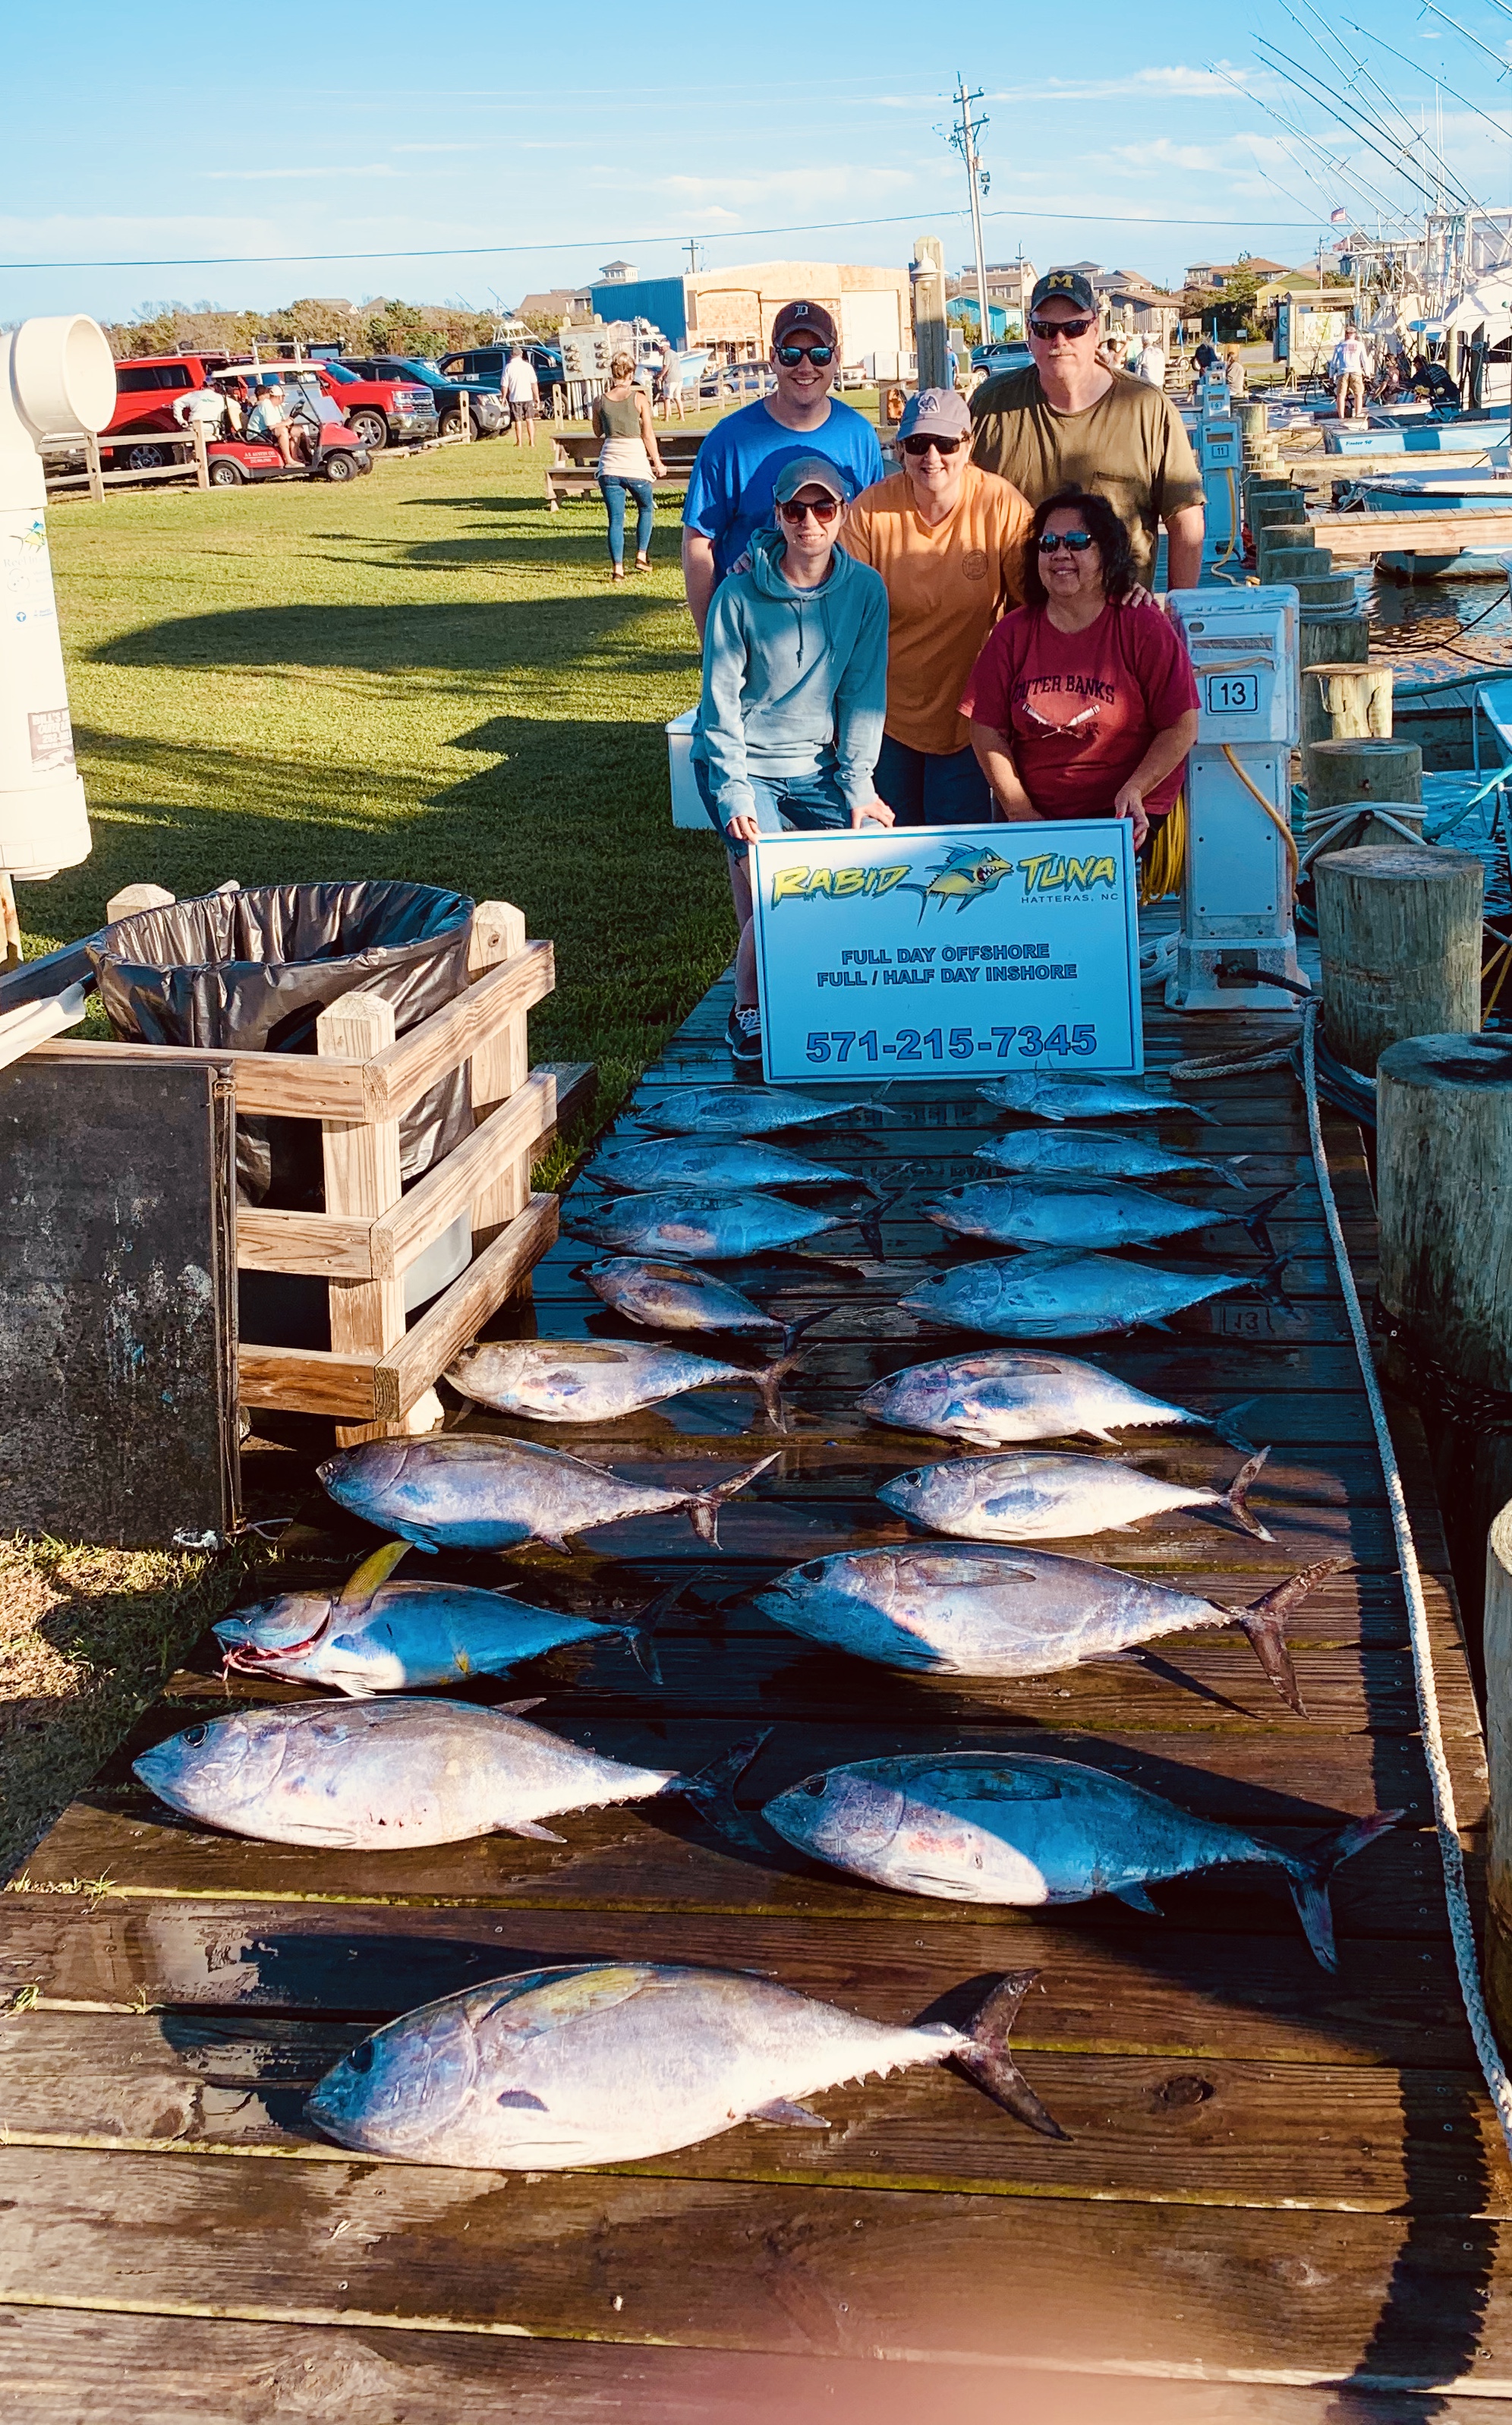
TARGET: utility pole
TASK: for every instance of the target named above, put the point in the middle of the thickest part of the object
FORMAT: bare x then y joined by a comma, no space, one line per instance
965,140
694,265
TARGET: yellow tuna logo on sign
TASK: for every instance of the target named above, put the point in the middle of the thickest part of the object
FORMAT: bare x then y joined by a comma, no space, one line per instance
834,883
1053,873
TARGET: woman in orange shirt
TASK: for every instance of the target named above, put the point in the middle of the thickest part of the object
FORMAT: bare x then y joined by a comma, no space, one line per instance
947,539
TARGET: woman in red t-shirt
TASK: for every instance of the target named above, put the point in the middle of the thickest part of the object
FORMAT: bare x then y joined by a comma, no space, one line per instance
1082,703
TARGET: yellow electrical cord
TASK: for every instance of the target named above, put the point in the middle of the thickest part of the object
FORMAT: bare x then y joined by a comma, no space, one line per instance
1162,871
1505,956
1234,552
1292,858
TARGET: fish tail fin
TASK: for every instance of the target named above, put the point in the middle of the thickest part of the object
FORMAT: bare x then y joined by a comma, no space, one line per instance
711,1791
1258,1216
1268,1282
793,1331
1228,1170
1264,1626
704,1505
769,1381
869,1224
1236,1497
1308,1880
1224,1425
1198,1112
640,1632
989,2060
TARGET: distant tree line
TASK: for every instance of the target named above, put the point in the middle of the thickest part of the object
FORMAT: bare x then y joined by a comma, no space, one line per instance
383,325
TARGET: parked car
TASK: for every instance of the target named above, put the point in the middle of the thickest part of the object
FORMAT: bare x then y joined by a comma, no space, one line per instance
484,409
1003,354
146,392
488,363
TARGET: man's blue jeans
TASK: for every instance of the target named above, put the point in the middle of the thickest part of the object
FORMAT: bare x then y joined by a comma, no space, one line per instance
783,804
924,789
613,485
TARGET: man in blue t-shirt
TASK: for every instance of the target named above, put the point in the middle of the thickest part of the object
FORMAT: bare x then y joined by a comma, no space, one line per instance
736,469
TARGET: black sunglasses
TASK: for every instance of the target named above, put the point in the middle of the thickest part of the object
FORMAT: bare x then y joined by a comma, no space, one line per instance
914,445
790,356
1045,329
1078,542
794,511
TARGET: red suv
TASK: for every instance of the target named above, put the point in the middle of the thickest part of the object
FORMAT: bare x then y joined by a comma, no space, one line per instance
145,390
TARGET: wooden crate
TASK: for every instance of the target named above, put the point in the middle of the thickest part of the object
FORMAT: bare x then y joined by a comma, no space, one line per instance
359,1084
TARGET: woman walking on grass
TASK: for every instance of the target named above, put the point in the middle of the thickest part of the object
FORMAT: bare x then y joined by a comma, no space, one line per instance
628,460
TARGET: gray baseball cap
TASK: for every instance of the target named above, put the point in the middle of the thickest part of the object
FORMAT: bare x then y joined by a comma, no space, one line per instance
936,412
808,472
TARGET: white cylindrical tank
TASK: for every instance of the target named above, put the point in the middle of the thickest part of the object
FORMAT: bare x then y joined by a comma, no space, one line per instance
57,378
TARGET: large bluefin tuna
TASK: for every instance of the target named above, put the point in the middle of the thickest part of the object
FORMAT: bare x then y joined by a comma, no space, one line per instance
1059,1292
379,1776
597,1381
709,1228
1010,1827
1086,1213
696,1162
999,1395
678,1296
1041,1496
465,1491
376,1636
1083,1153
940,1611
620,2060
1058,1098
742,1111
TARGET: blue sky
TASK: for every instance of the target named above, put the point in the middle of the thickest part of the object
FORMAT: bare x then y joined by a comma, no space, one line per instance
373,127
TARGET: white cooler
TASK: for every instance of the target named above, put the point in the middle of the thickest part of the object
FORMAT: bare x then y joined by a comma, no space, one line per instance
687,806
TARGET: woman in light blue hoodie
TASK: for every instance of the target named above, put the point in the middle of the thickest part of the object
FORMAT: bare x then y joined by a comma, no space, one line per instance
795,690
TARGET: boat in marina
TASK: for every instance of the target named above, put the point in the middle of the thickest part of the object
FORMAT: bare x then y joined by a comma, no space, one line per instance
1441,491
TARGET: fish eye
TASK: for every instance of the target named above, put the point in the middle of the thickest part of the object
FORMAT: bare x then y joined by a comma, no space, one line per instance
816,1785
195,1734
360,2057
814,1572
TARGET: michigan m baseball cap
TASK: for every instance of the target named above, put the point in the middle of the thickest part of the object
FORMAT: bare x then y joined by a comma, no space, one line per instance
810,318
1065,285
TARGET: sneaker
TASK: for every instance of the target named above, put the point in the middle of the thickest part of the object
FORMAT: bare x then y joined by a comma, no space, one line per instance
743,1034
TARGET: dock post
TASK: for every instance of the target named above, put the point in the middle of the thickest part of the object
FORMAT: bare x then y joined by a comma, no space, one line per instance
1498,1955
1444,1149
1345,700
1336,772
1399,930
930,324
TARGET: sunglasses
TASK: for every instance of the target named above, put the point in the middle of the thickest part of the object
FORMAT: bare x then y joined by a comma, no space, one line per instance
942,445
790,356
1078,542
824,512
1045,329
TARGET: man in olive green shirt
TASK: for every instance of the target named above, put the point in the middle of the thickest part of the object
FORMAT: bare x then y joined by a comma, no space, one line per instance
1073,423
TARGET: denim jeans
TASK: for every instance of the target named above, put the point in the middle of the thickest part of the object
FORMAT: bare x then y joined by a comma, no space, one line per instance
923,789
613,486
783,804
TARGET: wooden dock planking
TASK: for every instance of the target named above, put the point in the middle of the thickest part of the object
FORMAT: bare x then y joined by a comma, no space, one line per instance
180,1988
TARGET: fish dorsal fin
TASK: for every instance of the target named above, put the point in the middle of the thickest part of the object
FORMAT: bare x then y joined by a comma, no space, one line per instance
364,1580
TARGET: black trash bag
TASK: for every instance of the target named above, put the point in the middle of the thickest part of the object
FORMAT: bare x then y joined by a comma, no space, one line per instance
251,973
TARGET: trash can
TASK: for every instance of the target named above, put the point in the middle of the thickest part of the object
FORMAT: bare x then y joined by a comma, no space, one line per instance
250,971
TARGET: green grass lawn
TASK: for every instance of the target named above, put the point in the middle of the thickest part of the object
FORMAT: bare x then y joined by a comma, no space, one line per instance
422,674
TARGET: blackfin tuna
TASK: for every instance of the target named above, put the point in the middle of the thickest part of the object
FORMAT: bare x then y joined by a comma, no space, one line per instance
678,1296
1058,1292
619,2061
1086,1213
999,1395
1083,1153
708,1228
1045,1496
1060,1098
593,1381
744,1110
1017,1827
376,1636
1029,1612
380,1776
465,1491
697,1161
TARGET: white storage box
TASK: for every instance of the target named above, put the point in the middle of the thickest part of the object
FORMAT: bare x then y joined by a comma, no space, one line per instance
687,806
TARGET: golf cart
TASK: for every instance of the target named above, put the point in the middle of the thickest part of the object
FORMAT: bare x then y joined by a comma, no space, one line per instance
330,451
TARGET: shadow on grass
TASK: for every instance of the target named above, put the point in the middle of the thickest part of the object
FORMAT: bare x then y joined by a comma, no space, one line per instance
592,634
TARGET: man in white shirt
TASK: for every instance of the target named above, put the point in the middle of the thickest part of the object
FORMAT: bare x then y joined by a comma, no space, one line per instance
1350,362
522,393
1152,363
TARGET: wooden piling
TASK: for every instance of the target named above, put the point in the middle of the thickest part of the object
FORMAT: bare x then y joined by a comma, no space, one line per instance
1400,933
1343,700
1498,1641
1338,771
1444,1151
1294,563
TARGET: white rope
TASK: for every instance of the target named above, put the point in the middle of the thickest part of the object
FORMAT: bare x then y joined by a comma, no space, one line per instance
1461,1928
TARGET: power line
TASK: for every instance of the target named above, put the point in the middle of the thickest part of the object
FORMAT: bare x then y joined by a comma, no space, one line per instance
594,244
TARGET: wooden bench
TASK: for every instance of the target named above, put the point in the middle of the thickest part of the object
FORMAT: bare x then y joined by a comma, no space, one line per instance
581,480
